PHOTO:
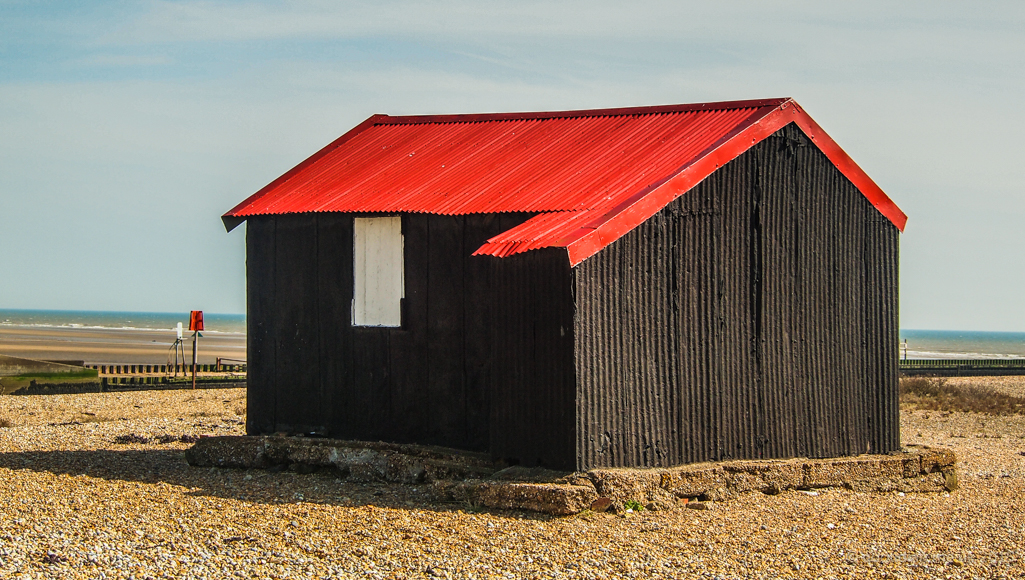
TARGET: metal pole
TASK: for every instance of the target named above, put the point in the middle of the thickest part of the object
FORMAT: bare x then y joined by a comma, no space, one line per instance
194,358
179,346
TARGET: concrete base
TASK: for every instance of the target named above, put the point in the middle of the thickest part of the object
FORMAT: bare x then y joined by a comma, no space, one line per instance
359,460
474,479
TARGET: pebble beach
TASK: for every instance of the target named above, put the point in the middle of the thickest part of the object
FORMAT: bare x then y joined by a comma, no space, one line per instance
96,486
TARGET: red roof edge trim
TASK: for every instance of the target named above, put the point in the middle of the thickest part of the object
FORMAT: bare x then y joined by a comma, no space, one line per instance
588,241
231,219
653,110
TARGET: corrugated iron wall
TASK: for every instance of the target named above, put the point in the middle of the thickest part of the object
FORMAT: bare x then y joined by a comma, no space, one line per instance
753,317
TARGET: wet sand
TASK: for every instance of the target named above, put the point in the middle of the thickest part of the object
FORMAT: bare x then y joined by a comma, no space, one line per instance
104,346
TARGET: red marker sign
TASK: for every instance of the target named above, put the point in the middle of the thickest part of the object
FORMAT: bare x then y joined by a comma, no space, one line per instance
196,320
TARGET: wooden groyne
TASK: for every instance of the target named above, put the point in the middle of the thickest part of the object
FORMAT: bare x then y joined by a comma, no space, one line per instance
134,376
137,377
962,367
143,370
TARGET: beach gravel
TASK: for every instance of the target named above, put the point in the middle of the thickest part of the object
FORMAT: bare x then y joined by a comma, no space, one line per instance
96,486
1012,385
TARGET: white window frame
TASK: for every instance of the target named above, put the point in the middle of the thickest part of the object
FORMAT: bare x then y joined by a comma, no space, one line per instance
378,271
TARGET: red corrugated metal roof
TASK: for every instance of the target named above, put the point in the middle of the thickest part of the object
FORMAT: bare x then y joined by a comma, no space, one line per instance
591,175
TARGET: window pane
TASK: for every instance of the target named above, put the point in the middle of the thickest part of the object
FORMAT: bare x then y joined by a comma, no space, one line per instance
377,272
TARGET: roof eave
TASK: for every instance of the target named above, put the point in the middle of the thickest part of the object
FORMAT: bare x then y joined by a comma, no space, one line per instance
231,222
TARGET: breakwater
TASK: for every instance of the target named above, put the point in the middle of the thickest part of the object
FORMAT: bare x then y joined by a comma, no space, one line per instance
962,367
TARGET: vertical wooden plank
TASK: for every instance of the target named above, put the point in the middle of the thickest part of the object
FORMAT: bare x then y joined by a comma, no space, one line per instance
445,330
557,349
507,337
335,288
477,303
371,413
532,411
296,338
260,318
411,413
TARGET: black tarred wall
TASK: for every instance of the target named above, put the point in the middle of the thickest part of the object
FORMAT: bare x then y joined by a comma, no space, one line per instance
483,361
753,317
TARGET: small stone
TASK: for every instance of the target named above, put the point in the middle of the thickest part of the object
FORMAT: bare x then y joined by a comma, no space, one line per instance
698,505
950,482
601,504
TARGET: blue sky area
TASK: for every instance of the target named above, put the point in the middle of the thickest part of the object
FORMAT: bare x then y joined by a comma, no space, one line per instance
128,128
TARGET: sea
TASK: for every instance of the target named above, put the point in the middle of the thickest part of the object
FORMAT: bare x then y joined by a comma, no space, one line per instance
916,344
961,344
213,323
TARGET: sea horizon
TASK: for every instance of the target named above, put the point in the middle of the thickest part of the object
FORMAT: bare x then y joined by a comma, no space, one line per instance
961,344
213,322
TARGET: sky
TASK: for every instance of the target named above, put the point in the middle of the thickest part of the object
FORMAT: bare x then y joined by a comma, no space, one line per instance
128,128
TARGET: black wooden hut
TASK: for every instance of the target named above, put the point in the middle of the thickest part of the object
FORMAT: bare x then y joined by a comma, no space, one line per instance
626,287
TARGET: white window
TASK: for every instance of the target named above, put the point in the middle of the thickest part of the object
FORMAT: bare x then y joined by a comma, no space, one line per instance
377,272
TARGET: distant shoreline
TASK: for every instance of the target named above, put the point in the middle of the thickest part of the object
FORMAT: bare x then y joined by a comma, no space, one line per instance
105,328
113,345
99,320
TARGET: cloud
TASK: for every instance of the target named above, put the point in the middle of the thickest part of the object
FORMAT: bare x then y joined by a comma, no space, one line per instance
783,22
209,21
121,60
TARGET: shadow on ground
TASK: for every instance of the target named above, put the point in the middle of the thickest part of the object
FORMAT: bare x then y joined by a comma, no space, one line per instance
152,466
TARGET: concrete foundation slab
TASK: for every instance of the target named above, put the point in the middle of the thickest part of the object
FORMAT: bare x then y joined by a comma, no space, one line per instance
473,478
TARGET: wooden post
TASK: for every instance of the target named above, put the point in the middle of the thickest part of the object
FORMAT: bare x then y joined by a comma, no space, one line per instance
194,335
195,325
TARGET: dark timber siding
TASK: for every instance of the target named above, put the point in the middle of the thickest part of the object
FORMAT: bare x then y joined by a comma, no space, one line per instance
484,360
753,317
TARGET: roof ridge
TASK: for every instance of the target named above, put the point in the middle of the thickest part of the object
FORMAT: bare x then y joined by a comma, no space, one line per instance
577,113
